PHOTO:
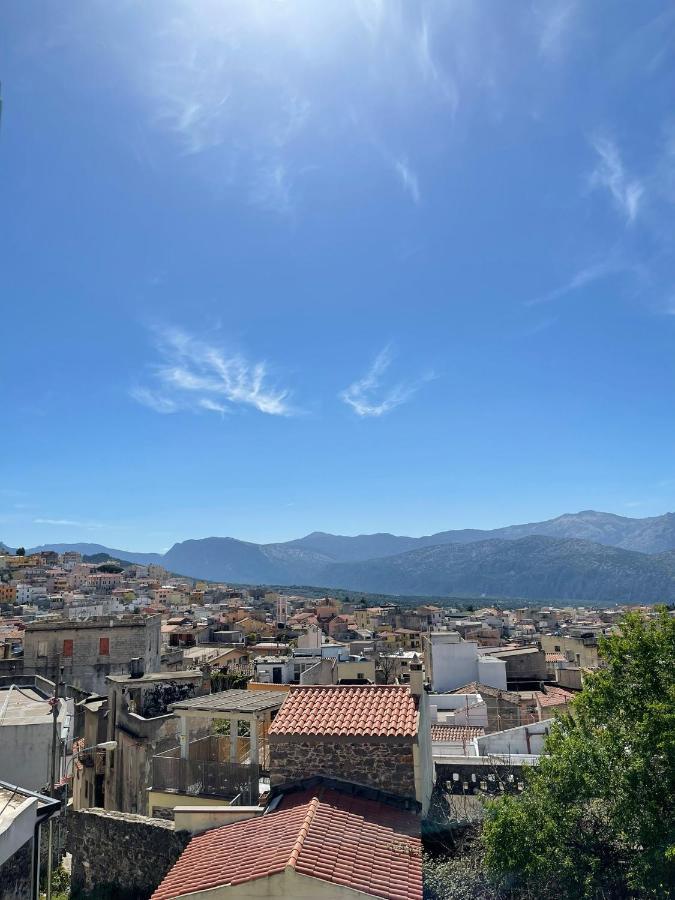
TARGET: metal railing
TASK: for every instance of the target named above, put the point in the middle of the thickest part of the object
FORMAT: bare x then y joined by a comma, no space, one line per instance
207,772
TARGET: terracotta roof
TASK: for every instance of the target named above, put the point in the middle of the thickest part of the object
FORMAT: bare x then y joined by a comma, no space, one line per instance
363,710
556,657
360,844
554,697
456,732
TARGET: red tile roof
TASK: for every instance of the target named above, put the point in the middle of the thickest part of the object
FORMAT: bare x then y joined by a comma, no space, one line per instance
456,732
320,833
357,710
554,697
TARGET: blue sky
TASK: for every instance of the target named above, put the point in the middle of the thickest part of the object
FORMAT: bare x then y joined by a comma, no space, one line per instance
270,267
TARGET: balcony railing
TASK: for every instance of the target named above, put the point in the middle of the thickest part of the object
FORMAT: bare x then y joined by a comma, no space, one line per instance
207,772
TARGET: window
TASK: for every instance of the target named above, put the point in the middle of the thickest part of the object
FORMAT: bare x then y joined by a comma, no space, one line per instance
42,648
104,646
68,649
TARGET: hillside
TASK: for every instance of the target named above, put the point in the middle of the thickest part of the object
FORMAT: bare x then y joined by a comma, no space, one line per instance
589,555
536,567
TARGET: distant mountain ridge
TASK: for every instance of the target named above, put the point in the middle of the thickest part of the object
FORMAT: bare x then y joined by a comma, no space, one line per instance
592,556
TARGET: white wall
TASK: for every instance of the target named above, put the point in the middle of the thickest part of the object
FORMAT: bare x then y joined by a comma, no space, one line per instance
458,709
492,672
525,739
455,662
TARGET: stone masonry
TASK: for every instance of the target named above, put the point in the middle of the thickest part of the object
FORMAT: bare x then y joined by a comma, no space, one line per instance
118,856
384,763
88,651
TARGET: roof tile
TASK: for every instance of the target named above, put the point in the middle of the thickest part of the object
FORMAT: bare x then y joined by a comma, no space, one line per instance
356,710
362,844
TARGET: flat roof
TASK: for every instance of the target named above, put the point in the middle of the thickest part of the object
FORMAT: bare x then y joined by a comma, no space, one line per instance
156,676
234,701
25,706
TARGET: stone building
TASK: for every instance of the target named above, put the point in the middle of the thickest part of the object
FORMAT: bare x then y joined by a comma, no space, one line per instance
140,721
88,651
371,735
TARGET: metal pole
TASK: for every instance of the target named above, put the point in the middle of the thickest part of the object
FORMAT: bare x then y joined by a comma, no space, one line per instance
52,774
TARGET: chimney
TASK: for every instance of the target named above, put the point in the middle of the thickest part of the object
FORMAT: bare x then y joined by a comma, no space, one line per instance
416,678
136,669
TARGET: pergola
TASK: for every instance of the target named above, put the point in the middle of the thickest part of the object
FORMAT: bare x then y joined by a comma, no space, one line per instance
257,708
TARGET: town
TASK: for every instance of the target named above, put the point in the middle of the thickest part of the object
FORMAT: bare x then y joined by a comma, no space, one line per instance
181,719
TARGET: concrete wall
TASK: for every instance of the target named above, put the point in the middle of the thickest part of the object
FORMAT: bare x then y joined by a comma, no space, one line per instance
25,749
526,739
161,804
384,763
455,662
459,709
196,819
530,666
492,672
120,857
136,636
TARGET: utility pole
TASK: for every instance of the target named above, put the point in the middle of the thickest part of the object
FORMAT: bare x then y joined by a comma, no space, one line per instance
52,772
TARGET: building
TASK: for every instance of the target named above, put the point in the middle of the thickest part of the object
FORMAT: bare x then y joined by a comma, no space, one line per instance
85,653
88,765
26,729
580,649
218,768
23,815
503,707
314,843
7,593
372,735
452,662
139,719
524,664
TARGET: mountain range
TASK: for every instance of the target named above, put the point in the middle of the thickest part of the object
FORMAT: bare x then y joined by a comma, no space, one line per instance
590,556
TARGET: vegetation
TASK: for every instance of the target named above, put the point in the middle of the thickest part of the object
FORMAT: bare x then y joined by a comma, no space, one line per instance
222,680
597,817
110,568
60,885
20,551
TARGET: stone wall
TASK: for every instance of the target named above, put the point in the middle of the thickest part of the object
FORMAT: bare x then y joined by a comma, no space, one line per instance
133,636
16,874
386,764
118,856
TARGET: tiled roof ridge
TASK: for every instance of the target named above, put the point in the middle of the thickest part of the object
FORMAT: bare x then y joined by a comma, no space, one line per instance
329,687
304,830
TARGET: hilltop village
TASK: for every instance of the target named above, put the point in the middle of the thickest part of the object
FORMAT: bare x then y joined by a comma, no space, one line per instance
189,721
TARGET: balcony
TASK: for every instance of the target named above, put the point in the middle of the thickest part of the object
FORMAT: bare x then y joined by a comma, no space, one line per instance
207,772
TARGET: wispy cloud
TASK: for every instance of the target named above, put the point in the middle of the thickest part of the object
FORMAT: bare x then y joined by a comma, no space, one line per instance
69,523
554,19
154,400
192,374
610,174
371,397
408,179
580,279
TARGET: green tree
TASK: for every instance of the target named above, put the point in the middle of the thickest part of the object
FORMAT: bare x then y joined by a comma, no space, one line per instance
20,551
597,816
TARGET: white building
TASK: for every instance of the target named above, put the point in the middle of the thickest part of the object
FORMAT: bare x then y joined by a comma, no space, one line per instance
453,662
